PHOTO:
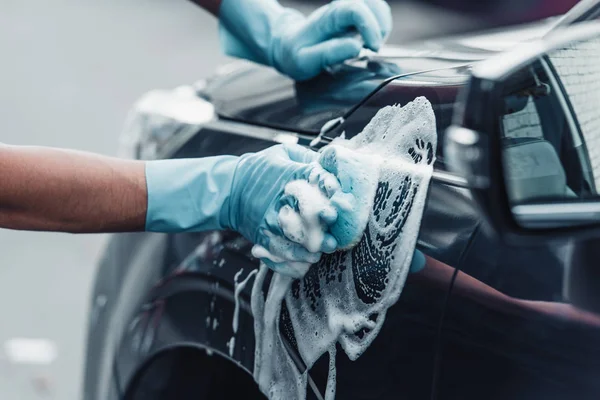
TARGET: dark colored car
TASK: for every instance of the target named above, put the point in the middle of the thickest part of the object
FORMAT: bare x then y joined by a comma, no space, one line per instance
482,320
508,12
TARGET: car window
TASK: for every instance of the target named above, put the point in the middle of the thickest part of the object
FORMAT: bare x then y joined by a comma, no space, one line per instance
580,79
542,150
509,329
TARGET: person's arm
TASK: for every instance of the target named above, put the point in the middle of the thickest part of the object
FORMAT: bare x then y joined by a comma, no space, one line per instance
68,191
61,190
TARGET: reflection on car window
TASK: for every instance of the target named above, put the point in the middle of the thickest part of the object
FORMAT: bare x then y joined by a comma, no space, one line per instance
524,123
538,160
578,67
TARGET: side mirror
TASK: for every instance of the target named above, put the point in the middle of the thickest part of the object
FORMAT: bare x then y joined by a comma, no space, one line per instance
526,136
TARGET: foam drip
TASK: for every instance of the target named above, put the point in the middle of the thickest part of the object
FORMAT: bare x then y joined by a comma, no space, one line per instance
239,286
345,296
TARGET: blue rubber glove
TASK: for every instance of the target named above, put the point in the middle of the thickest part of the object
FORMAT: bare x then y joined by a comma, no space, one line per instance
301,47
418,262
243,194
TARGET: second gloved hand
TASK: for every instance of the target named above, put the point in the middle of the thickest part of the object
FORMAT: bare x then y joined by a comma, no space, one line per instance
301,47
244,194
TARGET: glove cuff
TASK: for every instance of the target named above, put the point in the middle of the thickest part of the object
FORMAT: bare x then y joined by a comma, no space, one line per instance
234,203
247,28
189,194
289,17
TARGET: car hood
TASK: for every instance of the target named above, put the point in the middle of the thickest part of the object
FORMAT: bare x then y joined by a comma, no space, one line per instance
258,95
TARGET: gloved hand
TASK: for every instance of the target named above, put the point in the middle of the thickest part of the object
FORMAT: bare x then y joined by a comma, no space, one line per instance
244,194
265,32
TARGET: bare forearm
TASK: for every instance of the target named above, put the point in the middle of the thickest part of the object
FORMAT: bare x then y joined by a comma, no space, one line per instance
212,6
61,190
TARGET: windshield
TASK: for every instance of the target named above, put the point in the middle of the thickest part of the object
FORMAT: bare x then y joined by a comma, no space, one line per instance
440,87
268,99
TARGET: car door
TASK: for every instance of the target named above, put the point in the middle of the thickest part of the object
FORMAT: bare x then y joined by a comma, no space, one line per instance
400,362
509,330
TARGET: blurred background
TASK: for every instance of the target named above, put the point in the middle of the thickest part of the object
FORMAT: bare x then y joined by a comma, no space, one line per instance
70,71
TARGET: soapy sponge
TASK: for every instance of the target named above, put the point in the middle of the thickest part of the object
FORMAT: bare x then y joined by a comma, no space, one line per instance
358,175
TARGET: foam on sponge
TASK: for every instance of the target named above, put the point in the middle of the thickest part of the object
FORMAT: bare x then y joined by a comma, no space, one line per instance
358,174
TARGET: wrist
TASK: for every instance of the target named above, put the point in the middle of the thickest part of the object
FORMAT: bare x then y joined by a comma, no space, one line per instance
229,217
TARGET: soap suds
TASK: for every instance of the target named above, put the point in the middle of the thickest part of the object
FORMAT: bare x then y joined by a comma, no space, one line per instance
291,223
239,286
304,217
231,345
345,296
274,370
304,226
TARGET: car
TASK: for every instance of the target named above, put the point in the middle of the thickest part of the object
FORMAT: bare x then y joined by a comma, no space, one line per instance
508,12
483,320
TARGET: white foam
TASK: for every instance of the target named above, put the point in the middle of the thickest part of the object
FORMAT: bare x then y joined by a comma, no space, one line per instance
339,296
239,286
231,345
274,370
291,223
236,293
305,226
303,222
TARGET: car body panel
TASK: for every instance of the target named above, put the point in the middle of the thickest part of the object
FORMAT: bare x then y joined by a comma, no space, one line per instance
510,333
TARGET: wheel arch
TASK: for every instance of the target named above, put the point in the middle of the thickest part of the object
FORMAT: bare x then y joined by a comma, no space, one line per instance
190,370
